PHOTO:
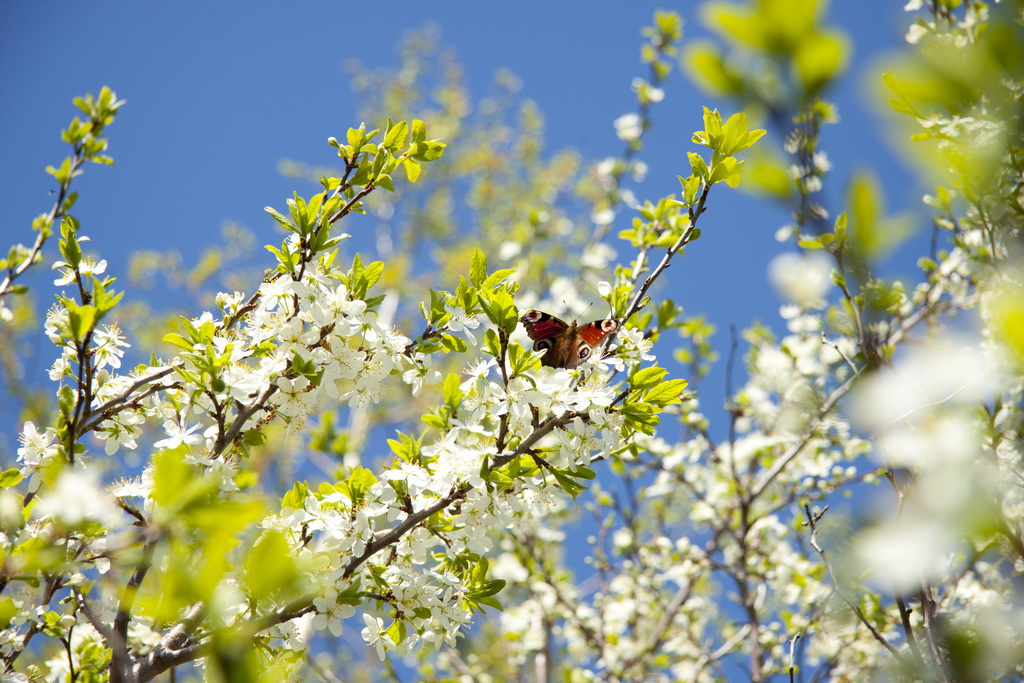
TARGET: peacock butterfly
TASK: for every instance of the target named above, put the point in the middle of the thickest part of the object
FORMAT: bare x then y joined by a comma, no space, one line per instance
564,345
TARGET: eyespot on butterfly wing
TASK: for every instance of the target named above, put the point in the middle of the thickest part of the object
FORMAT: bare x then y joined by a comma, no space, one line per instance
594,332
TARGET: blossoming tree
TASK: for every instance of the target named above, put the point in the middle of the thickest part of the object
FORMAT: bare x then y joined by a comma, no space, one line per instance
143,531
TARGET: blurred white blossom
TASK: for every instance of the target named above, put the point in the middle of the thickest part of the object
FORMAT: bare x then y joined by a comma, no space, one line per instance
801,278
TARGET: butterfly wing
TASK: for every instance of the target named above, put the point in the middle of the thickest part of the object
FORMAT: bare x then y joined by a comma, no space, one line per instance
594,332
541,325
550,335
586,340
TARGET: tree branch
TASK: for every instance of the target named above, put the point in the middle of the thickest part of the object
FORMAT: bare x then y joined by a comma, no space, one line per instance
812,522
173,649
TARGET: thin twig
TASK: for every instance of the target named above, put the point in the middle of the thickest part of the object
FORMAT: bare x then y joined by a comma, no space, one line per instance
792,661
121,661
46,226
695,214
812,522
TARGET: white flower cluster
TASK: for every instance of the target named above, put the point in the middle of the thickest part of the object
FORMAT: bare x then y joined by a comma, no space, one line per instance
248,371
301,342
958,30
416,569
660,588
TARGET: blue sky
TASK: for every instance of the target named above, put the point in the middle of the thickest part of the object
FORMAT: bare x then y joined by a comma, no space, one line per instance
219,93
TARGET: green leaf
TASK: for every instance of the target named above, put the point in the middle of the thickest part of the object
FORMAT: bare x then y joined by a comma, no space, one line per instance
280,218
691,186
640,416
405,447
419,131
427,151
737,137
863,211
818,59
359,483
497,277
362,175
478,268
396,632
840,228
872,234
171,476
708,67
725,171
582,472
105,299
372,273
491,342
270,567
61,173
734,131
452,392
8,610
69,247
699,166
647,378
80,319
254,437
378,163
499,307
295,499
567,483
713,126
177,340
435,421
10,477
356,136
394,136
412,169
490,602
666,393
453,343
487,589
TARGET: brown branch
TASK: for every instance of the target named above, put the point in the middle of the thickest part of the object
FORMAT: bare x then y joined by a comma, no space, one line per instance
695,214
121,661
792,663
593,638
901,605
932,631
241,417
812,522
456,494
54,584
293,610
657,636
46,229
94,417
131,590
780,464
173,649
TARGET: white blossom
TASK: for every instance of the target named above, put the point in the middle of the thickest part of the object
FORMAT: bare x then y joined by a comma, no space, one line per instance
803,279
628,127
